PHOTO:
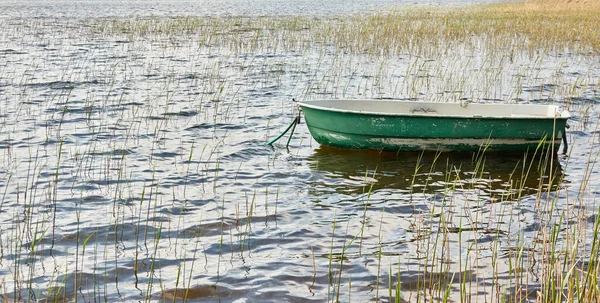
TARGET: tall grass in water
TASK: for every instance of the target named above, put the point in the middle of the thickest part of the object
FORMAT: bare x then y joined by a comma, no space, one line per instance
497,52
559,264
506,29
527,238
562,256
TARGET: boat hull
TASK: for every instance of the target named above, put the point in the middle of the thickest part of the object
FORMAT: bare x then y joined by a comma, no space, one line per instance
360,129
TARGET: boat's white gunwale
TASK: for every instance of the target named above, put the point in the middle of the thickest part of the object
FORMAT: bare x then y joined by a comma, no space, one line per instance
564,114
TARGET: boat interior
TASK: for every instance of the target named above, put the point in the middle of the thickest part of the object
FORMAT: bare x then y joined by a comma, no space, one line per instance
414,108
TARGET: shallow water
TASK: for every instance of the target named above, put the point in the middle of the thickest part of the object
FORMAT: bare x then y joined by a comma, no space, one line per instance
105,9
136,168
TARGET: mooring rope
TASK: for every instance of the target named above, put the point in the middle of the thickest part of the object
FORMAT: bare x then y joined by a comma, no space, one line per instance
293,126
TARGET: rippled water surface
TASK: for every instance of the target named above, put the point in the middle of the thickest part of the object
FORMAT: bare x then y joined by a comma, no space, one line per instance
103,8
135,168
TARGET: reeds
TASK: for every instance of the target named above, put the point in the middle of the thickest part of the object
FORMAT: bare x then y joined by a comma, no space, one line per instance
138,172
465,232
506,29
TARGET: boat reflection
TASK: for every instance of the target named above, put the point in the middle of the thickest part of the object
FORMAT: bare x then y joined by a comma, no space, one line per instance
501,175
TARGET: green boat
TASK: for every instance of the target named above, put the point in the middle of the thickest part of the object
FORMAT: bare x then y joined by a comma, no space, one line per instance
432,126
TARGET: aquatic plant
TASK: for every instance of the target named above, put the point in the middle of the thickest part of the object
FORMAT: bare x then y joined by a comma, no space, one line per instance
134,167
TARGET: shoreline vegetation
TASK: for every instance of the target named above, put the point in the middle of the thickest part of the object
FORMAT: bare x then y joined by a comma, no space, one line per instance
551,26
553,268
447,49
442,232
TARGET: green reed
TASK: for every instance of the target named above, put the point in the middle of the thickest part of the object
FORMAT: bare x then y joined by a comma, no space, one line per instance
507,29
371,42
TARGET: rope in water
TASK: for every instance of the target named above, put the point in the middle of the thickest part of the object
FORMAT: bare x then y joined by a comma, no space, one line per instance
292,126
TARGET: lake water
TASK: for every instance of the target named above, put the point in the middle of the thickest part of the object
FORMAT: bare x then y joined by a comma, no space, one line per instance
101,8
134,165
